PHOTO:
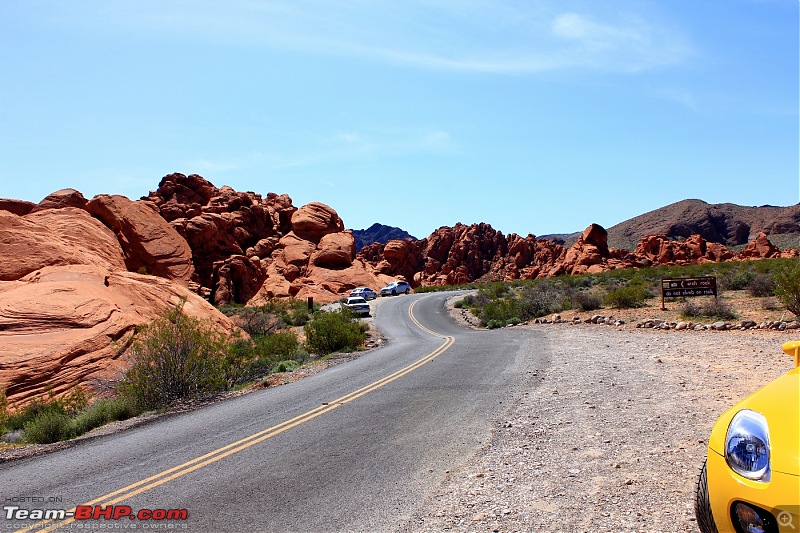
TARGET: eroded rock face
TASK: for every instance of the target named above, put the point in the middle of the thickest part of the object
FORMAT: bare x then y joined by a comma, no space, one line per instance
53,237
63,326
61,199
760,248
248,247
149,242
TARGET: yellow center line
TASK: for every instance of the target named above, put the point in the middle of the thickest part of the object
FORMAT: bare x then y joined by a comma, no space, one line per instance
119,495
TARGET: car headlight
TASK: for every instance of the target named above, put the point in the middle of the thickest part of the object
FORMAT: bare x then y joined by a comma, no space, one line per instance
747,445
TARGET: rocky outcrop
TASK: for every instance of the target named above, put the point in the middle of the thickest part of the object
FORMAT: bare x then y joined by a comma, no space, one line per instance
55,237
151,245
760,248
63,326
68,306
61,199
246,247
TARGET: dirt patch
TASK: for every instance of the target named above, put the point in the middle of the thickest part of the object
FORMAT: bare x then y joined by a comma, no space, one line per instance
612,436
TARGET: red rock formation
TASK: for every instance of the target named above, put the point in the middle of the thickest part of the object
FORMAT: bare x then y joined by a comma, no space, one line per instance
17,207
68,307
760,248
52,237
63,326
61,199
151,245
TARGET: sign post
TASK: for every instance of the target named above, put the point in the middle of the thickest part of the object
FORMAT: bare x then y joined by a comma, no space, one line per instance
683,287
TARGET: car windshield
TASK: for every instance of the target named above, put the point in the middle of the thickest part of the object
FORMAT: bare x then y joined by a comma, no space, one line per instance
356,301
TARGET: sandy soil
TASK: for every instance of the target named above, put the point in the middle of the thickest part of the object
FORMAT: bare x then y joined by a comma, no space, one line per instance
612,436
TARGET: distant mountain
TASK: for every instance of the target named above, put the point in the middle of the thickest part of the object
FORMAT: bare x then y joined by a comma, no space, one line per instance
729,224
378,233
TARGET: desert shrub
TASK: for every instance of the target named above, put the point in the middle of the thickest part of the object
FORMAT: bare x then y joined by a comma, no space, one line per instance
713,308
586,301
761,285
3,409
787,286
500,310
689,309
736,279
330,332
542,298
47,427
494,290
494,324
459,304
718,308
68,404
174,358
626,297
278,346
102,412
286,366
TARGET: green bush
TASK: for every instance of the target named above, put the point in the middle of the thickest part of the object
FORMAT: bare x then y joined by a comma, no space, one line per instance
278,346
737,279
286,366
47,427
174,358
330,332
587,301
762,285
500,310
626,297
102,412
787,286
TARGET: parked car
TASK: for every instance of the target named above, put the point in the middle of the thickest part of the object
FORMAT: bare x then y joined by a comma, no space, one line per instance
364,292
358,305
751,478
395,288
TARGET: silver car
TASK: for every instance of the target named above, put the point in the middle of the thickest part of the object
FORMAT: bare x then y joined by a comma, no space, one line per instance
395,288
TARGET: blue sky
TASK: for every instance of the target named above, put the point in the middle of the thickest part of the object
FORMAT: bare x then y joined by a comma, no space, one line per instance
533,116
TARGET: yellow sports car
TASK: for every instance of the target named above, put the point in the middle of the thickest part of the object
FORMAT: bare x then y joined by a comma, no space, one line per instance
751,479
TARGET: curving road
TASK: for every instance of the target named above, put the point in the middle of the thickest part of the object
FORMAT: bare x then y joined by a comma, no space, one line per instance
357,447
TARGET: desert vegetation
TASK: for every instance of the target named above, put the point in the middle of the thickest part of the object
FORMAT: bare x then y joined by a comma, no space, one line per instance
497,304
178,358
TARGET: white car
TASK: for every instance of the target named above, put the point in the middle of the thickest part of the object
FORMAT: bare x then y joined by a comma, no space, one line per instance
357,305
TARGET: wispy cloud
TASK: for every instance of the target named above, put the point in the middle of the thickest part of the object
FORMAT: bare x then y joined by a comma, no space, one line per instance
469,36
352,145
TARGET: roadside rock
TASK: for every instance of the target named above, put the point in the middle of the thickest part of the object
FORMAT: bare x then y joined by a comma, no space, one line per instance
51,237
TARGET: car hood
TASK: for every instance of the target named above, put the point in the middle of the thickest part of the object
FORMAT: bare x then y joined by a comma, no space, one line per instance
779,402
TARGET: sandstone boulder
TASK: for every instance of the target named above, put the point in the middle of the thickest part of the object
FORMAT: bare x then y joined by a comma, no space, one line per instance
52,237
17,207
150,243
63,326
61,199
760,248
335,251
315,220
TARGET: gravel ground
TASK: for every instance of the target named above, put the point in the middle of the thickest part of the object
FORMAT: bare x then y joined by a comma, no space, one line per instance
611,436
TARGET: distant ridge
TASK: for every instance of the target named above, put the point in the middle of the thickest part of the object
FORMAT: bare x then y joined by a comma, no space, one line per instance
729,224
378,233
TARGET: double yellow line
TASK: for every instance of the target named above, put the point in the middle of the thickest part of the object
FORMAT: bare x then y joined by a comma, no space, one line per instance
120,495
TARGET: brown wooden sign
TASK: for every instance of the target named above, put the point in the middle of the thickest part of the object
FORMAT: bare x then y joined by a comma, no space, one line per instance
687,287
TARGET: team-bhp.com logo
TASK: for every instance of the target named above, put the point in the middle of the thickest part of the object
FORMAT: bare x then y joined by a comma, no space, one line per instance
94,512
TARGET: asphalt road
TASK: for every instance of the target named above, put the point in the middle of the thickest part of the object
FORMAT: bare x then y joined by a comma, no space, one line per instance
357,447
